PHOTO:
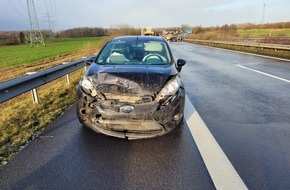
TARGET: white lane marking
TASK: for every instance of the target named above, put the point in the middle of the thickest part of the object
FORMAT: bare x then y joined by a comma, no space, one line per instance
222,172
260,72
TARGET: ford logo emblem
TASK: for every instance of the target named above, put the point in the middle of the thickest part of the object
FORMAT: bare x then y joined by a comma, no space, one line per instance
126,109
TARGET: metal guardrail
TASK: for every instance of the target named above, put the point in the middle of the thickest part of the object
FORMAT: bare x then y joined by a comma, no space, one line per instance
15,87
245,44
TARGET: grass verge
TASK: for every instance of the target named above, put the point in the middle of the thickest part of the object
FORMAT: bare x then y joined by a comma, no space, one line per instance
21,119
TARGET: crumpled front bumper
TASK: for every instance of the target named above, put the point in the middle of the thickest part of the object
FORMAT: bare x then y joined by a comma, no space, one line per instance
147,120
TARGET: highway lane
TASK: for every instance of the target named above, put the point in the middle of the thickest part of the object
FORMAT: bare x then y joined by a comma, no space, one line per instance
248,112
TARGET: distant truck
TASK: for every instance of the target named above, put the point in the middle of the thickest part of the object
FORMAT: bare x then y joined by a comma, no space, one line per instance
148,32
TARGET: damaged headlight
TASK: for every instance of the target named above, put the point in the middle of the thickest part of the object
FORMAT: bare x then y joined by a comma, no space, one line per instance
88,87
170,88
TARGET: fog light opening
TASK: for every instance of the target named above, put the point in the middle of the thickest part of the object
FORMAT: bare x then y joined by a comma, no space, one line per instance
83,111
86,99
177,117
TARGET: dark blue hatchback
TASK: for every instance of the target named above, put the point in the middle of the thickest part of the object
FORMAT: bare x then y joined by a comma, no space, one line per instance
132,89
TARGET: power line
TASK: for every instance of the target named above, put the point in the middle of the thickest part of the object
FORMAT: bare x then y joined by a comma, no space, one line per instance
263,13
24,17
23,5
48,16
49,19
51,7
55,12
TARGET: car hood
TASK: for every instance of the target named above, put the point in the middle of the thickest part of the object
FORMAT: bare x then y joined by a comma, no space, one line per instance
130,79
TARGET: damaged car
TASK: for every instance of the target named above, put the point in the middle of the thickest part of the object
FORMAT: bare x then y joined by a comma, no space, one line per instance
132,89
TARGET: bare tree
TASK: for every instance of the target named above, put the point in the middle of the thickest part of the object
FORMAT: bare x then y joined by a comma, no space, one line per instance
22,38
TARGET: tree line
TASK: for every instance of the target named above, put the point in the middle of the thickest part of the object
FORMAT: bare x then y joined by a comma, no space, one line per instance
82,32
22,37
225,29
232,28
16,37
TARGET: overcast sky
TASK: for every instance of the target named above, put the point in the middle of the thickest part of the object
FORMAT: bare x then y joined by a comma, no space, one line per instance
66,14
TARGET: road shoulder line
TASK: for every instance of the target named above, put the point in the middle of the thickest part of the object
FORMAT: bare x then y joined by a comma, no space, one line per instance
266,74
222,172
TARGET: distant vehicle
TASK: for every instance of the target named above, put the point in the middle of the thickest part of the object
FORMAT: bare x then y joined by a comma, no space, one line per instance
132,89
168,37
173,39
148,32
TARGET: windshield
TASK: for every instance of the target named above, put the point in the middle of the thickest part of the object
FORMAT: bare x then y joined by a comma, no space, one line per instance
135,52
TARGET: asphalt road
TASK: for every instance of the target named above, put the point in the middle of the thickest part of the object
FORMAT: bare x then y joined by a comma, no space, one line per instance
242,99
248,112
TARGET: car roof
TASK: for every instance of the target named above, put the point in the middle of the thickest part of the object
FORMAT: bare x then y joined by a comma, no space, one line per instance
138,38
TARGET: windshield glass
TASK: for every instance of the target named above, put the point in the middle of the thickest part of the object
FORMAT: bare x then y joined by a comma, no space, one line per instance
135,52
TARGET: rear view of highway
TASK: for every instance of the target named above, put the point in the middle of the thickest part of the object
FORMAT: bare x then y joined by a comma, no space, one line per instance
243,100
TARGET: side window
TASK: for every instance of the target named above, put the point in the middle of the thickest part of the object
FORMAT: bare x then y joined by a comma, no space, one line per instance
105,53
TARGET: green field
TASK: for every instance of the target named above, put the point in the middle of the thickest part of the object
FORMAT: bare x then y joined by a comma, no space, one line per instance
17,55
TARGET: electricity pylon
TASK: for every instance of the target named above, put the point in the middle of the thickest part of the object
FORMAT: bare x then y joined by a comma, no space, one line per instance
35,33
50,24
263,13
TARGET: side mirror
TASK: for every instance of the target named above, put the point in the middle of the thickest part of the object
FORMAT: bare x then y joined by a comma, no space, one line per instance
180,64
89,61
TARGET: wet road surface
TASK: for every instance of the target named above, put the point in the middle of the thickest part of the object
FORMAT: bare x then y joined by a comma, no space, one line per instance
247,112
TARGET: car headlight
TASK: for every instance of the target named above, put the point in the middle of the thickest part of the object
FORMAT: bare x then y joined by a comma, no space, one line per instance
88,87
170,88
